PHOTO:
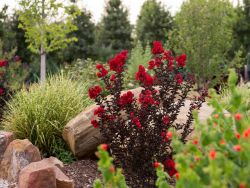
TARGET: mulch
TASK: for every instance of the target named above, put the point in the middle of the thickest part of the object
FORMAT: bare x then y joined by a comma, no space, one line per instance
83,172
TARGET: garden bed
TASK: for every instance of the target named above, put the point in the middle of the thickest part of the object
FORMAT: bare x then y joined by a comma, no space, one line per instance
83,172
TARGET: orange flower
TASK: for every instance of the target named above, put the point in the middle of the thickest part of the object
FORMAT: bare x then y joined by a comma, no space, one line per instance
238,116
212,154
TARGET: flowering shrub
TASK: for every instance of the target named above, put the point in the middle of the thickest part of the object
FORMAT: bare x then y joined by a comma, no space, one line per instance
218,154
137,130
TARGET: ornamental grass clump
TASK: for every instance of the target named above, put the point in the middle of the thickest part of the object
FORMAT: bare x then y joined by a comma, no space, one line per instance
41,112
137,130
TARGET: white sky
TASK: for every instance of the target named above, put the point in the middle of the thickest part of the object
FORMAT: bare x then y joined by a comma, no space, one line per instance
96,7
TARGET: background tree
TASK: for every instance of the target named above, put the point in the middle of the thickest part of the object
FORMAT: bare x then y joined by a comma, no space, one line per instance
153,23
46,24
205,29
114,29
83,48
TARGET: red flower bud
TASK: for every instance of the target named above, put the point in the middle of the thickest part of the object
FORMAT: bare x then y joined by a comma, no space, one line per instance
156,164
195,142
104,147
237,135
238,116
237,148
212,154
177,176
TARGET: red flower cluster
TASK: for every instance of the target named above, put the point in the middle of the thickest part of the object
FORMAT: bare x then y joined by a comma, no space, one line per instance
3,63
112,77
179,78
144,77
94,123
170,167
117,63
2,91
157,48
168,56
181,60
99,111
126,99
166,120
146,98
103,72
137,122
94,92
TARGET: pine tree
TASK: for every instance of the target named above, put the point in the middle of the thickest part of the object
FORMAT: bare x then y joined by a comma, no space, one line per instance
153,23
85,34
114,29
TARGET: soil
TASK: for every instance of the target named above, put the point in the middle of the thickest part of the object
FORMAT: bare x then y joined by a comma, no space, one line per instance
83,172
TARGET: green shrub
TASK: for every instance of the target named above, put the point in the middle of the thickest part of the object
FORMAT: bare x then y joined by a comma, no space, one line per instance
40,113
218,154
243,90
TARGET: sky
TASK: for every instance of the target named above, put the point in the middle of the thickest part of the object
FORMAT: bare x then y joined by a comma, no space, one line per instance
96,7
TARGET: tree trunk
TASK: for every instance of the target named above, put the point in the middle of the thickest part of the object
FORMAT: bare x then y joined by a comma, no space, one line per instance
43,65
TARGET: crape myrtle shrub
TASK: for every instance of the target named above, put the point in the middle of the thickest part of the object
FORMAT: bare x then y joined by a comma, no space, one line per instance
137,130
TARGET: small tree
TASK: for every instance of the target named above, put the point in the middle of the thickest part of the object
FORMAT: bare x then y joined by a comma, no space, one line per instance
38,18
153,22
205,28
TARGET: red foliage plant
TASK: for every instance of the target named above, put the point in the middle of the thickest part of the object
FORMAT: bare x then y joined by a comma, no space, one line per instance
137,129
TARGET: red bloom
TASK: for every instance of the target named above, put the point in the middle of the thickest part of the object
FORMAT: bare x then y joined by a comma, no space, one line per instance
103,72
156,164
126,99
117,63
94,123
195,142
157,48
171,65
181,60
177,176
166,120
168,55
237,148
170,167
137,122
169,135
144,77
246,133
146,99
3,63
112,77
99,111
238,116
212,154
179,78
94,91
104,147
242,185
2,91
158,61
151,64
237,135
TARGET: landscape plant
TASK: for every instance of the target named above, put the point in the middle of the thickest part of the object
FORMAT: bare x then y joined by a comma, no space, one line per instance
41,112
218,153
137,131
205,33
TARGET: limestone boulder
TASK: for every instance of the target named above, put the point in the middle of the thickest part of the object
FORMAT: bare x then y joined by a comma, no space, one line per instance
5,139
44,173
18,154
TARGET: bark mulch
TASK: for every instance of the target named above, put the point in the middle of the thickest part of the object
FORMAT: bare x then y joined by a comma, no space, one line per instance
83,172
